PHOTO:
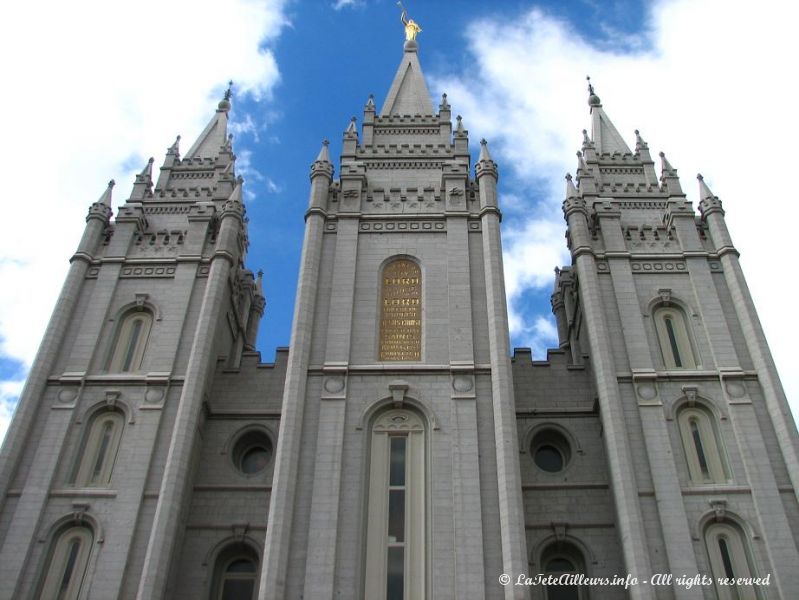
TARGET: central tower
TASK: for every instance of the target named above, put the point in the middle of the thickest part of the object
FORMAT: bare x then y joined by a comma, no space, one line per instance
397,456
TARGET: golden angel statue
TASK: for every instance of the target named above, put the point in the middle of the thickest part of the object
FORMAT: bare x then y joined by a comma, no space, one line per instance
411,26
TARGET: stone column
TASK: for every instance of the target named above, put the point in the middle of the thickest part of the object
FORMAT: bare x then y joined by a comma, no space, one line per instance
25,522
467,514
511,508
177,477
620,463
670,506
284,480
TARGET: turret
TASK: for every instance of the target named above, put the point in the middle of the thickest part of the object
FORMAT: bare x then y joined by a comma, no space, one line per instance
321,177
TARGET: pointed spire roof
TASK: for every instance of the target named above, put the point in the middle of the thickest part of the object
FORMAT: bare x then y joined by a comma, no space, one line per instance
324,153
485,155
571,191
105,198
704,190
214,136
606,137
408,94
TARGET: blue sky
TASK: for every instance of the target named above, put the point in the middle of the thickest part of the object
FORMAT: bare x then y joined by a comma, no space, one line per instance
99,88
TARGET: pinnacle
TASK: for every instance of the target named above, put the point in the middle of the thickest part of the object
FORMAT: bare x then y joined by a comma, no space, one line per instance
666,167
704,190
105,198
640,144
174,148
324,153
571,191
485,155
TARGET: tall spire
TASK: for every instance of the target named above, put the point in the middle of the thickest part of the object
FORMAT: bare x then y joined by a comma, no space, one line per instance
214,136
605,136
408,94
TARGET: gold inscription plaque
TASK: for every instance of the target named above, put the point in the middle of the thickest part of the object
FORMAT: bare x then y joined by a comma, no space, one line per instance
401,312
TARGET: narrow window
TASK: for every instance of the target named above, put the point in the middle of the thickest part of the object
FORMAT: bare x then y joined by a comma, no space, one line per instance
99,449
66,565
401,312
701,445
729,560
673,338
396,545
675,351
700,451
131,339
235,574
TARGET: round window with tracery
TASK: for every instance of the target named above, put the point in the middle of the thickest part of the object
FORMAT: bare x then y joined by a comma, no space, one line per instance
252,452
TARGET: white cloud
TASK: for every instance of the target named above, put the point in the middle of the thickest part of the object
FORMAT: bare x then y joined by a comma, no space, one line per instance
83,111
339,4
716,94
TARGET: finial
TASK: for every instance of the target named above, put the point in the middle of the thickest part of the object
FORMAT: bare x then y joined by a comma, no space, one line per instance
174,148
444,102
459,127
112,183
704,190
485,155
260,273
351,128
586,139
640,144
571,190
370,103
593,99
224,104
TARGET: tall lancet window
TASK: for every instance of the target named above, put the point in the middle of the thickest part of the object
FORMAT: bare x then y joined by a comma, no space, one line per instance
401,311
99,450
130,342
675,344
702,445
729,560
396,547
66,566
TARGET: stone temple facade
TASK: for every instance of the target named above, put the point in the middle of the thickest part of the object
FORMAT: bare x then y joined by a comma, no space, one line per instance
397,450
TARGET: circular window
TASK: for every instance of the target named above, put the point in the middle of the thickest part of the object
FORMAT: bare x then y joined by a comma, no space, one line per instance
252,452
550,450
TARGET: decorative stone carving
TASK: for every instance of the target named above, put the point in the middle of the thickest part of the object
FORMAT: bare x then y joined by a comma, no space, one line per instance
334,384
736,389
67,395
462,383
154,395
647,391
719,506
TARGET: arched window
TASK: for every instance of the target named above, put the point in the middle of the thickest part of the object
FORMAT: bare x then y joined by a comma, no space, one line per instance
729,560
395,543
99,449
66,565
235,574
672,332
701,445
131,340
563,558
401,311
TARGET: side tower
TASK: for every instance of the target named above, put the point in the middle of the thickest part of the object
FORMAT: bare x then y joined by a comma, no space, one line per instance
397,468
700,444
96,469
